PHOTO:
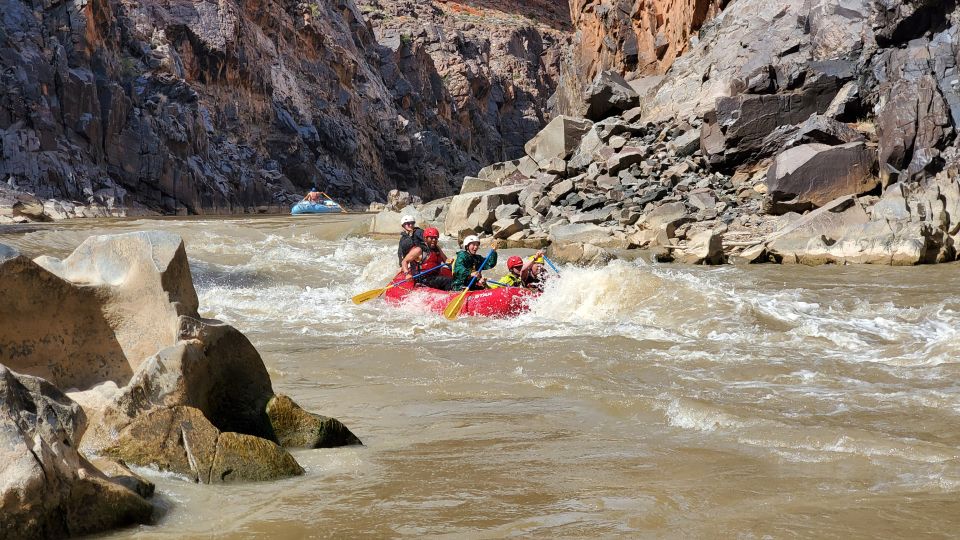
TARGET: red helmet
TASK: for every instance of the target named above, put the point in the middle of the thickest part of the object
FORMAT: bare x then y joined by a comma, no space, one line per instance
514,261
430,232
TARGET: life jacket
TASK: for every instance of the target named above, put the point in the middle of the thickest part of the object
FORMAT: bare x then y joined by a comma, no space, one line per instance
433,259
509,280
407,241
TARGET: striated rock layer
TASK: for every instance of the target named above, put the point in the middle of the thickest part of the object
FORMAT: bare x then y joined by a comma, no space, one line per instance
635,38
114,106
480,71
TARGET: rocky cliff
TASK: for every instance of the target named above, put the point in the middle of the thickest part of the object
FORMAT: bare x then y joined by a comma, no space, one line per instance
480,71
639,39
221,106
804,131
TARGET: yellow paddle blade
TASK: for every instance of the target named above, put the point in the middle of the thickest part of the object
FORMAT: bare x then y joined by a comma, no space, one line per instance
369,295
453,309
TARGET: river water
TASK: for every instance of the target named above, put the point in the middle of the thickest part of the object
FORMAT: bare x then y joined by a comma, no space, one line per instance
634,400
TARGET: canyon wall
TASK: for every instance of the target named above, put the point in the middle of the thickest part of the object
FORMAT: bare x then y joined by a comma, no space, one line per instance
199,106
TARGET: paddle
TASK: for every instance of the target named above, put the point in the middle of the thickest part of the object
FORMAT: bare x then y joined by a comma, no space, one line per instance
371,294
551,265
454,308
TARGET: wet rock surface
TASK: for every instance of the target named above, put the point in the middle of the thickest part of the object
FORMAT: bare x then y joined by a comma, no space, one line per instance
157,385
48,489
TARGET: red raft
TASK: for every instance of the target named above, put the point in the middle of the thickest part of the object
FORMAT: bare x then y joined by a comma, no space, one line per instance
499,302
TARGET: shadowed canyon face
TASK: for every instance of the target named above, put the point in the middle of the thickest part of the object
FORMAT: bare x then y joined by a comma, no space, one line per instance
199,107
632,401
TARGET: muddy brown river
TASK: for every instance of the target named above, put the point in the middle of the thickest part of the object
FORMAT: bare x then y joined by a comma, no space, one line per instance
633,401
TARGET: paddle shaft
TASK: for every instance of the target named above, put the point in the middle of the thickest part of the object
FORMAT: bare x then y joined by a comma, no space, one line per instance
551,265
416,276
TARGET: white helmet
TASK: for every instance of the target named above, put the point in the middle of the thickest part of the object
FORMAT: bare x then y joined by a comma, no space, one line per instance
407,219
470,239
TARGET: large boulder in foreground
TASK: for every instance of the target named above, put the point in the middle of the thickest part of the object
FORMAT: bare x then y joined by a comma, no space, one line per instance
97,314
53,329
47,489
117,321
212,367
811,175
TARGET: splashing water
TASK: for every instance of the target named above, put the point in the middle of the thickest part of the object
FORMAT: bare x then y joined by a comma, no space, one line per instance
630,400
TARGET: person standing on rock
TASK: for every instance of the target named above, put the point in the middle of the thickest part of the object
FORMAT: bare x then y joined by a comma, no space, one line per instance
468,265
410,237
418,260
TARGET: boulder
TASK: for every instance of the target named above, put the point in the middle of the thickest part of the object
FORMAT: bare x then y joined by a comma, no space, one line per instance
473,185
579,253
599,215
388,221
297,428
560,190
894,243
738,127
586,233
181,440
557,140
498,171
811,175
432,212
588,150
911,123
47,490
673,212
506,211
608,94
398,200
527,167
471,213
702,200
119,473
819,128
626,157
705,247
131,289
504,228
687,143
892,205
212,367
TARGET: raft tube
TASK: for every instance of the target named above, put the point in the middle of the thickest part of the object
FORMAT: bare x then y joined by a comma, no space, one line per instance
499,302
306,207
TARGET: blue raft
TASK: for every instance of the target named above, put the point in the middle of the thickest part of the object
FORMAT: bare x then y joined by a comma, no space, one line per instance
306,207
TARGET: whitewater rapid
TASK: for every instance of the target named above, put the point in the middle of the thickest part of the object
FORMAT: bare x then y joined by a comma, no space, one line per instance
633,399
